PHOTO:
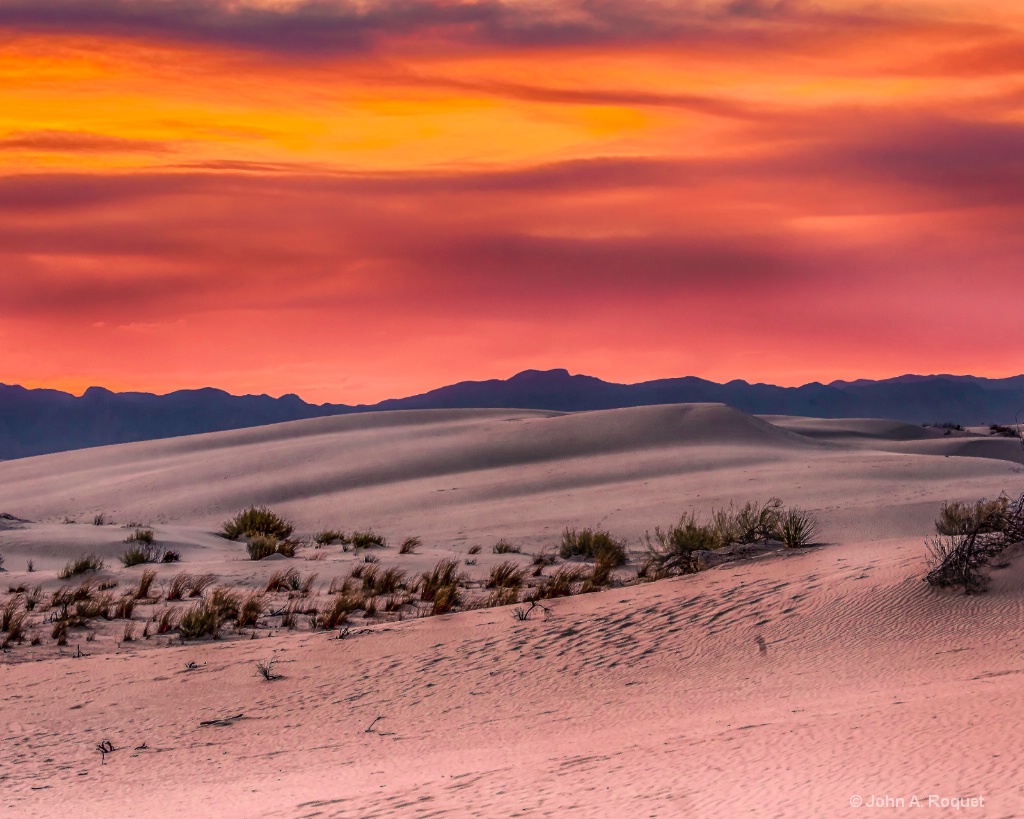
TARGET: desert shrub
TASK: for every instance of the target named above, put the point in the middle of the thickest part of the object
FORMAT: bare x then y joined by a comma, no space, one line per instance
290,613
543,558
287,547
675,549
367,540
797,528
969,536
145,583
138,553
602,573
983,516
327,537
199,620
445,573
170,556
129,632
371,559
592,544
167,621
60,632
179,586
9,611
262,546
336,612
265,668
250,610
200,583
561,583
257,521
410,545
225,602
446,598
474,550
94,607
140,536
505,596
370,607
506,575
377,582
291,581
86,563
1003,431
757,521
503,547
62,598
33,597
99,520
124,608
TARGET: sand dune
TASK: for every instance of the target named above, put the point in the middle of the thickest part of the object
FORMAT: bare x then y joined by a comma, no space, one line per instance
782,685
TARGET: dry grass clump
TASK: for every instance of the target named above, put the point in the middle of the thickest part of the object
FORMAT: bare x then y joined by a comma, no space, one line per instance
261,546
257,521
376,582
503,547
199,620
251,610
797,528
290,580
124,608
594,544
505,575
141,549
86,563
145,584
93,607
13,619
265,668
501,597
444,573
410,545
328,537
560,584
336,612
367,540
474,550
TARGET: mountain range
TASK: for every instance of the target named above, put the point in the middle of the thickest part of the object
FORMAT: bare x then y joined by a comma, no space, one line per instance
36,422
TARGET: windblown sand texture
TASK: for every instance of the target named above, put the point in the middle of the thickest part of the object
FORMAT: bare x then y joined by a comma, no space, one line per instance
780,685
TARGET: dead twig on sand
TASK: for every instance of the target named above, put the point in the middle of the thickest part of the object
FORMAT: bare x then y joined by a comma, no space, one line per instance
370,729
222,720
105,747
520,613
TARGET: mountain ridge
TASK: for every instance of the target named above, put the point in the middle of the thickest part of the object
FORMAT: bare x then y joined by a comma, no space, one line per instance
41,421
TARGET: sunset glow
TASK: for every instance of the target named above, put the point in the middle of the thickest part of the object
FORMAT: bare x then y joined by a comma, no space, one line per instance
355,201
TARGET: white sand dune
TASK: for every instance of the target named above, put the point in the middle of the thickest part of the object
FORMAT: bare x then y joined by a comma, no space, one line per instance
647,700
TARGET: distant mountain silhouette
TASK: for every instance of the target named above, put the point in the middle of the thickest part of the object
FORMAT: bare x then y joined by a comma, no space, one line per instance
35,422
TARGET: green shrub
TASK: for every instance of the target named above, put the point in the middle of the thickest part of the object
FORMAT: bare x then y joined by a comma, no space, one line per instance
140,536
257,521
86,563
560,584
503,547
446,598
593,544
328,537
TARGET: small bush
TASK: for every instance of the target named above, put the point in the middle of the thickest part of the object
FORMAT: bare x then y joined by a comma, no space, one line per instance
593,544
410,545
503,547
257,521
86,563
797,528
505,575
9,611
983,517
506,596
99,520
371,559
291,581
446,598
138,553
200,583
140,536
445,573
145,583
260,547
1003,431
129,632
200,620
265,668
170,556
124,608
561,583
327,537
473,550
336,612
167,621
251,610
367,540
675,549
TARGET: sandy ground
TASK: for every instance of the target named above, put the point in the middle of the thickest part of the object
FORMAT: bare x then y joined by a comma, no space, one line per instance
790,684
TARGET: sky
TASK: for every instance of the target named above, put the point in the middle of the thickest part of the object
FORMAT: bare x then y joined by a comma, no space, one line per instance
353,200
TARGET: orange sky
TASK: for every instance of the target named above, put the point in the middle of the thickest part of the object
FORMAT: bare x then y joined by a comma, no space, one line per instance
354,201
